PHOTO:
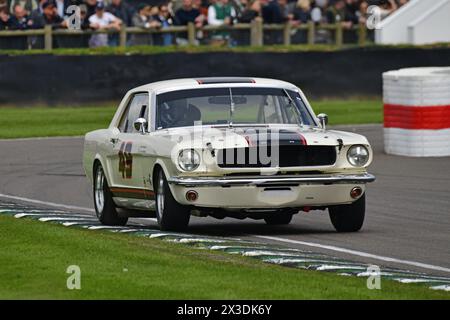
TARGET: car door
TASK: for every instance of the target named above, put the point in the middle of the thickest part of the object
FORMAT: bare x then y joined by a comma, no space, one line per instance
127,145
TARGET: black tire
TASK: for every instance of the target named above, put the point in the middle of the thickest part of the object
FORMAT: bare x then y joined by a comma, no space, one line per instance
348,217
171,215
106,212
278,218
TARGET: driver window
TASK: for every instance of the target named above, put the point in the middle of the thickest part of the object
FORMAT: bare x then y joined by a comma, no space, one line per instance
137,108
270,111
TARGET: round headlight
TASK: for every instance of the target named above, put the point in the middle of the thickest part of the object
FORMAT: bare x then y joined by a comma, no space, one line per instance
358,155
188,159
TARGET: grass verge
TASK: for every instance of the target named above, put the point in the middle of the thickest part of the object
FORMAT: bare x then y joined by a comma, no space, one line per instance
71,121
35,255
145,50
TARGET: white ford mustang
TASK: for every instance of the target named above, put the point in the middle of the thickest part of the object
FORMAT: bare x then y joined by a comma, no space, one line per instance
224,147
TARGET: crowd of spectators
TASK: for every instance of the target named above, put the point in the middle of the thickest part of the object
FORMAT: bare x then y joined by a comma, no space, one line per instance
112,14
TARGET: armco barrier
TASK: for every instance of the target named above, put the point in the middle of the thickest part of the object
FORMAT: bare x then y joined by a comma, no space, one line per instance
417,112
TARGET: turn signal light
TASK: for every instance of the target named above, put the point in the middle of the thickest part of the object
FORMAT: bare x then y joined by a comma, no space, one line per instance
191,195
356,192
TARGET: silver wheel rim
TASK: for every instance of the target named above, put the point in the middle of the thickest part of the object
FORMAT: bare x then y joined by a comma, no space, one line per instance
99,194
160,195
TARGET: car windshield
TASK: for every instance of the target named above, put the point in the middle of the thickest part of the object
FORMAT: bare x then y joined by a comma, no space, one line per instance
236,106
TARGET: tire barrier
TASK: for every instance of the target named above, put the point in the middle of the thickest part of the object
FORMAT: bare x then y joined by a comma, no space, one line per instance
417,112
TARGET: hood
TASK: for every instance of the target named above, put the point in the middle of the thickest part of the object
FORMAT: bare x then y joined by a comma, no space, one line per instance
251,136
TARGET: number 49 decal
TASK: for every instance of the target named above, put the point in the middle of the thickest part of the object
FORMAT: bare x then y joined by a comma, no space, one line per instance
126,160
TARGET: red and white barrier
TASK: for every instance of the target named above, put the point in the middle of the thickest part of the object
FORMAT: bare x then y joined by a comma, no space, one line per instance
417,112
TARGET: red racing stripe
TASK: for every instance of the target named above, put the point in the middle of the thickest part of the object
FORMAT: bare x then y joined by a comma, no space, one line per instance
417,118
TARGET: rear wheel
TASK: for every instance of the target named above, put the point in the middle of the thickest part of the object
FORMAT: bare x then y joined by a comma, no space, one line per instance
348,217
103,202
278,218
170,214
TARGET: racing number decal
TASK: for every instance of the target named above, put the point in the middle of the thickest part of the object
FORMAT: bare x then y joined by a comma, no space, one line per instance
126,160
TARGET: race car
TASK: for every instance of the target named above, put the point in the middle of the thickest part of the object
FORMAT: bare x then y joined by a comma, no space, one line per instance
224,147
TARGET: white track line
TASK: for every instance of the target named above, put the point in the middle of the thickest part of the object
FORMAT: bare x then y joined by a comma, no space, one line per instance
309,244
356,253
46,203
41,138
56,205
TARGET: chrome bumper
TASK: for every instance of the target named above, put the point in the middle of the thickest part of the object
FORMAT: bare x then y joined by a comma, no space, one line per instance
263,181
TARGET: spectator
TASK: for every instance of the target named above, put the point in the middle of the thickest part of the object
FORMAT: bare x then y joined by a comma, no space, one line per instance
165,20
387,7
338,13
187,13
4,17
121,10
49,16
362,12
252,11
28,5
142,19
202,6
272,12
302,11
20,19
220,13
39,9
4,7
61,7
239,6
91,6
351,9
102,20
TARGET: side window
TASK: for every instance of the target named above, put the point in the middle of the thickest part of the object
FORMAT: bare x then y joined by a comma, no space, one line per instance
271,111
137,108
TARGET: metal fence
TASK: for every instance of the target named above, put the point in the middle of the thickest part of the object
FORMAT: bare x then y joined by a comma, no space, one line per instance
255,33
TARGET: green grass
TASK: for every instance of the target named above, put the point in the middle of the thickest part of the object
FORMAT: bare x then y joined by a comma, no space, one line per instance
35,255
70,121
206,49
52,121
350,111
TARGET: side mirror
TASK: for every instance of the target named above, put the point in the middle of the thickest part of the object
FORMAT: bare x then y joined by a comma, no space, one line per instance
140,125
323,118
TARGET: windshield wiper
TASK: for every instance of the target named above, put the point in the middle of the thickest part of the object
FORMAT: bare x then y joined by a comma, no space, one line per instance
293,105
230,120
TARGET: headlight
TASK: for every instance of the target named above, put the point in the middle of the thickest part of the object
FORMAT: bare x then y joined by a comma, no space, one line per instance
188,159
358,155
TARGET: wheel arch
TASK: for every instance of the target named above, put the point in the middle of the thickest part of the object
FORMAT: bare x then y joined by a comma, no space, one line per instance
98,159
160,165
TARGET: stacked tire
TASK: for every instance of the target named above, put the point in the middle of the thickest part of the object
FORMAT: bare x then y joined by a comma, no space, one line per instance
417,112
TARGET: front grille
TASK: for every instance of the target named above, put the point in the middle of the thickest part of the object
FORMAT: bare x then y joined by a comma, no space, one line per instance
288,156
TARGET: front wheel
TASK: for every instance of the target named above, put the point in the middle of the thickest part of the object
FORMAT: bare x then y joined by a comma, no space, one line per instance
103,202
171,215
348,217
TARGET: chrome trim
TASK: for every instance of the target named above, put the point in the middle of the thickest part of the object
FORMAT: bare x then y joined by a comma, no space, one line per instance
271,180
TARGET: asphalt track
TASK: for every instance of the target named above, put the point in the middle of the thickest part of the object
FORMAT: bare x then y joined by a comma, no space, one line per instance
407,219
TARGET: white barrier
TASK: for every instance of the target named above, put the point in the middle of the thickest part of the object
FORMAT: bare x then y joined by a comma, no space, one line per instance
417,112
416,22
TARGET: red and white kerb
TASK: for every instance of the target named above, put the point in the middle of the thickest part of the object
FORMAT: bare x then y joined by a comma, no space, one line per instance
417,112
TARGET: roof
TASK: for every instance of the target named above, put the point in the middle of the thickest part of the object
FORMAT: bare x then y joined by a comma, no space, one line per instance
192,83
